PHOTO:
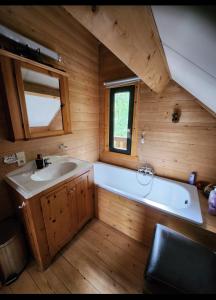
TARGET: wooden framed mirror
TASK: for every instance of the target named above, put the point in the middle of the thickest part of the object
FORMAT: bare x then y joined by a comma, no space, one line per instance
43,100
37,97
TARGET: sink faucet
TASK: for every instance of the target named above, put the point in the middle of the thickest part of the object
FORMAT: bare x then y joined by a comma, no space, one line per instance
46,162
63,147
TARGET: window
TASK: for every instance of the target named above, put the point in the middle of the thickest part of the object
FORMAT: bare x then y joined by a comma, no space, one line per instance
121,119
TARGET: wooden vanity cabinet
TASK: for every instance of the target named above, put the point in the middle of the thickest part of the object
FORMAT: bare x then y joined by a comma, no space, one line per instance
59,213
52,218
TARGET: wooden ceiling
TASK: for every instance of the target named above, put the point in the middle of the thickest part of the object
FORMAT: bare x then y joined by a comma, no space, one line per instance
131,34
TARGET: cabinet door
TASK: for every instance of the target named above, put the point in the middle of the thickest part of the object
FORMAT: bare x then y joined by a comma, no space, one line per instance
57,214
84,199
71,190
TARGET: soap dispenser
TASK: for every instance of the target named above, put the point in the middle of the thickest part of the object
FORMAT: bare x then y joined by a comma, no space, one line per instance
39,161
192,178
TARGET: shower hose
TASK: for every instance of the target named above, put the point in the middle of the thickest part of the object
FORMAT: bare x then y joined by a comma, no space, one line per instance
144,172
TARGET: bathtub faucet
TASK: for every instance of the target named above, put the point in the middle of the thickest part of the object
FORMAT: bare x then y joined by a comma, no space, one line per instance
142,178
146,170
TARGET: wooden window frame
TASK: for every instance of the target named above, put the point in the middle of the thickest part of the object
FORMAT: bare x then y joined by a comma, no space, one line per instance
134,134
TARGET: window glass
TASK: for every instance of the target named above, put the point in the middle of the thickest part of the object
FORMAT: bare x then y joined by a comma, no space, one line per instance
121,118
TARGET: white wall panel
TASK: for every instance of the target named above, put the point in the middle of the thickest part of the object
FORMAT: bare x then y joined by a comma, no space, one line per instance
193,79
188,35
191,31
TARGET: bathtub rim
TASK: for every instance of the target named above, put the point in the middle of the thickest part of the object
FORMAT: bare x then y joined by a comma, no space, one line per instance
161,207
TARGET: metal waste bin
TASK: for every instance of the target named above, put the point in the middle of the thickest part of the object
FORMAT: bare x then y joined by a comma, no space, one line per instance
13,252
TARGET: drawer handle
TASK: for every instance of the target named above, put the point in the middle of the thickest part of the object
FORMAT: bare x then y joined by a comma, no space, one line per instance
22,205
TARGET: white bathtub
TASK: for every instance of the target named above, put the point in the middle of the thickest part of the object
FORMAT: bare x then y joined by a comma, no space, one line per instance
176,198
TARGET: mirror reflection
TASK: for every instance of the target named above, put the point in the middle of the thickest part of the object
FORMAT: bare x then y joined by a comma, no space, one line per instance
43,103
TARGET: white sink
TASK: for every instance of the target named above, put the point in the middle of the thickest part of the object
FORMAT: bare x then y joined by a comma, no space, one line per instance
54,171
28,181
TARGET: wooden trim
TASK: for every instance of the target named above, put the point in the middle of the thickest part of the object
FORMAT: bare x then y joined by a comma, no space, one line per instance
12,99
115,155
106,118
135,121
40,69
50,97
21,92
41,90
64,92
38,129
46,133
32,62
36,228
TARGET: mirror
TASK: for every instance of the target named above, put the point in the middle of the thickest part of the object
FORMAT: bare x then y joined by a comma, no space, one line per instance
43,100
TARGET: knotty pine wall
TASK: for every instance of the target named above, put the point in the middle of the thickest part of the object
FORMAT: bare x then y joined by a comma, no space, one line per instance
174,150
53,27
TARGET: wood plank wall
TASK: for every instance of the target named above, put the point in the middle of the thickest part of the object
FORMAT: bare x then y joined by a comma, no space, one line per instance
174,149
131,34
54,28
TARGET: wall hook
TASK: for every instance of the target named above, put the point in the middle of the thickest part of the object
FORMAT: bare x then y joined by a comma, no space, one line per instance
142,138
176,114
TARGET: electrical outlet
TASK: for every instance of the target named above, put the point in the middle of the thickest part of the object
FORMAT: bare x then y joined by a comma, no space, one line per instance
21,159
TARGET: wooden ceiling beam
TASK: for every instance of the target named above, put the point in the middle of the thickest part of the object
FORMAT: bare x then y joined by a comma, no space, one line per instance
131,34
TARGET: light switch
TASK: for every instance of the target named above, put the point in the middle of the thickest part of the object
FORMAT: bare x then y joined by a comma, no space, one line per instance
21,159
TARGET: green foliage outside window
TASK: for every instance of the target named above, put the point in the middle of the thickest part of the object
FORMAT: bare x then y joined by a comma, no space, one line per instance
121,111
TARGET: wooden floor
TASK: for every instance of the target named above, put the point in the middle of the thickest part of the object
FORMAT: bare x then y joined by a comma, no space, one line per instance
99,259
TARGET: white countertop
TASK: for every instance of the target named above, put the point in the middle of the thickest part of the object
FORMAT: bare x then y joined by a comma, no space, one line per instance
21,181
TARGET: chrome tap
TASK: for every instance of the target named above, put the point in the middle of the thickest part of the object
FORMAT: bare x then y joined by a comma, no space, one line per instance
146,170
63,147
46,162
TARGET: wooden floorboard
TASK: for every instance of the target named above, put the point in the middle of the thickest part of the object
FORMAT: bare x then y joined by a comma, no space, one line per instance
99,259
47,281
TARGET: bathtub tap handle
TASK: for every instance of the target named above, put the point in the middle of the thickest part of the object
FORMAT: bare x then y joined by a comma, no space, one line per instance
143,171
146,170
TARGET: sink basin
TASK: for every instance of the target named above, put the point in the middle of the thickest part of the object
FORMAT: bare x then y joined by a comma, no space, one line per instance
54,171
28,181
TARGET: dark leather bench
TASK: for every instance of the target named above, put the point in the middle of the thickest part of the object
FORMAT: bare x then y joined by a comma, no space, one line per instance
177,264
